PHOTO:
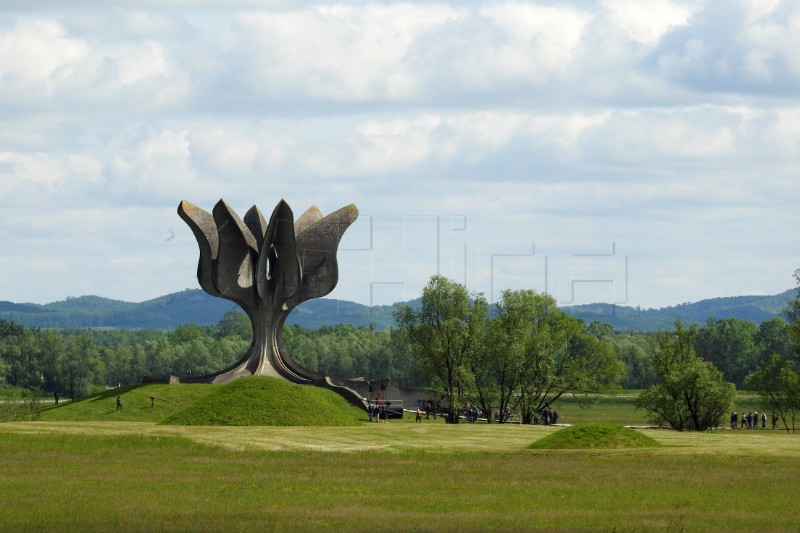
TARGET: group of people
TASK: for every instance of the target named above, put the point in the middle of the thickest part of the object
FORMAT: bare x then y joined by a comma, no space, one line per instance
750,420
546,416
377,410
549,416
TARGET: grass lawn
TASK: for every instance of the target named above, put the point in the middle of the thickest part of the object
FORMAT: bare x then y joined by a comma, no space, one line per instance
83,466
614,409
139,476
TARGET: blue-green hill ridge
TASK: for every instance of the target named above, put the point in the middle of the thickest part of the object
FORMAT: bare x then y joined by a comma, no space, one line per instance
195,306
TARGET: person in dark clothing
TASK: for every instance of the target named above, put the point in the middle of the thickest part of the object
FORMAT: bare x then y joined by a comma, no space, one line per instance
119,403
546,415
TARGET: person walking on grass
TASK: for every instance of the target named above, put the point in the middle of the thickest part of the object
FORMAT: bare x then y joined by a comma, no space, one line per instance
763,420
119,404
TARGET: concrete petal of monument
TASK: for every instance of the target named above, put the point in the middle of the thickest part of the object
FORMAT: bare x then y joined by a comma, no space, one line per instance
205,232
234,270
322,238
257,225
307,219
278,274
316,249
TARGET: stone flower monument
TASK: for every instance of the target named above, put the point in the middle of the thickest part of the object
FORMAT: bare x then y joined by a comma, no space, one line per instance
267,268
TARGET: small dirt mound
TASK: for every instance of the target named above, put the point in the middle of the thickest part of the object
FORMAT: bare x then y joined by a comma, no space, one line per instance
264,401
594,436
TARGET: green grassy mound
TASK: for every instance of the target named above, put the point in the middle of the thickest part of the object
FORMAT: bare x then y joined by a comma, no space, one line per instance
140,403
264,401
588,436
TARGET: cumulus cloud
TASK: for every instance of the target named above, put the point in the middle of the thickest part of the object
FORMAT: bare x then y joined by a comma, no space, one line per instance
739,46
37,55
666,130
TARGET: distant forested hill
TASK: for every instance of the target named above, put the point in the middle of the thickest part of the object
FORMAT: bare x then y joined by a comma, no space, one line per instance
170,311
750,308
195,306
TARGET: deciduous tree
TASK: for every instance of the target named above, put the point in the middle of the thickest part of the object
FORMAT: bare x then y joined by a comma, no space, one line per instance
82,366
565,358
778,385
773,338
692,393
446,332
792,313
730,345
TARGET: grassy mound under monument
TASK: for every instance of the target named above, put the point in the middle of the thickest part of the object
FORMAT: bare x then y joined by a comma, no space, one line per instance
265,401
251,401
140,403
594,436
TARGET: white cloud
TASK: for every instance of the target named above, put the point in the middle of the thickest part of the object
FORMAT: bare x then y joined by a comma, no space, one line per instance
669,128
160,167
535,39
230,151
33,179
334,52
647,22
737,45
36,55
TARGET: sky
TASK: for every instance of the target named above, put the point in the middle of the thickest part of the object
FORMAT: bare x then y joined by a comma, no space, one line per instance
636,152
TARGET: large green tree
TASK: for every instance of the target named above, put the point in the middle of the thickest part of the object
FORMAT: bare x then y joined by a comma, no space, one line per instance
730,345
51,353
773,338
692,394
446,332
82,367
634,350
514,335
565,358
778,385
20,354
534,354
792,313
235,324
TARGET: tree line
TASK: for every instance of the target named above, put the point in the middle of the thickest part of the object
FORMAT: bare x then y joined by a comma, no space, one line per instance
523,353
77,362
528,354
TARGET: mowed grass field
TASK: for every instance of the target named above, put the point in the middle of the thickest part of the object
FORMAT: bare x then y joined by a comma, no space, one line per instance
117,474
